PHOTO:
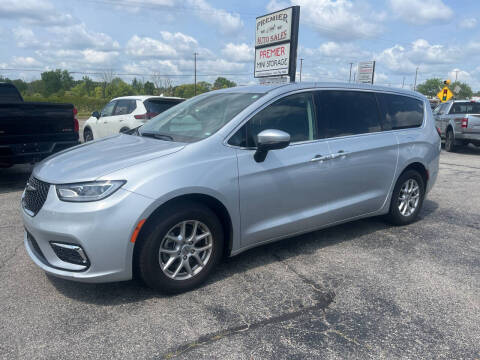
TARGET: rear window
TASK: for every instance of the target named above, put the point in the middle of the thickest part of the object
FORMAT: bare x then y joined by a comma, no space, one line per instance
158,106
400,112
9,94
465,108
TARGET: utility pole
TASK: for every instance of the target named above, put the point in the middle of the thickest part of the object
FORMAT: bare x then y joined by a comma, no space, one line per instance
354,74
456,75
415,83
350,76
195,70
301,65
403,82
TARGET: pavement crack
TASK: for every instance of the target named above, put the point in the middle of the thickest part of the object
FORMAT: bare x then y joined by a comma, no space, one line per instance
231,331
467,166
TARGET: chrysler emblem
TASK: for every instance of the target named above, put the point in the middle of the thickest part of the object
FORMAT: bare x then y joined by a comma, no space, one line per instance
30,187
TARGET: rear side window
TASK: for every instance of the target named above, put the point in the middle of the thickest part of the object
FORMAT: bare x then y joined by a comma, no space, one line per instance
465,108
125,107
400,112
9,94
156,107
342,113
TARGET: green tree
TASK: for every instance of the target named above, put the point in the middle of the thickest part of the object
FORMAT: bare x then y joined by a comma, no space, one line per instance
89,86
430,87
222,83
66,80
137,86
52,82
188,90
465,90
148,88
117,88
80,89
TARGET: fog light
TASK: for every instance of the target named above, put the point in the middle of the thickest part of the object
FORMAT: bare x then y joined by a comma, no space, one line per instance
70,253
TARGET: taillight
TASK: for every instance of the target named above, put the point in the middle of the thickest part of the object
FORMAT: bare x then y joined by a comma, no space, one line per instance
439,131
76,125
146,116
465,123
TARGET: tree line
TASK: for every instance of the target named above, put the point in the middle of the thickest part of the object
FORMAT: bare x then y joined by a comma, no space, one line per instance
88,94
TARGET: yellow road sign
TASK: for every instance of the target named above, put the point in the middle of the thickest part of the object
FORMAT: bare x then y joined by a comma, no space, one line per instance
445,94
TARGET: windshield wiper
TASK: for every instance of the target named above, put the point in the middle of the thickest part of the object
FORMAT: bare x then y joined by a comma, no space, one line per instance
157,136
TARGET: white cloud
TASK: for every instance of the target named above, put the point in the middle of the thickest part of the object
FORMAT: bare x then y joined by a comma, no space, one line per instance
152,66
340,20
421,11
25,37
180,41
27,61
99,57
332,49
397,60
460,75
238,52
227,23
78,36
33,11
148,47
468,23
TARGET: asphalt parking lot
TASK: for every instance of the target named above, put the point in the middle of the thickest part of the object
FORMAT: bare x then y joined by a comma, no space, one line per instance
360,290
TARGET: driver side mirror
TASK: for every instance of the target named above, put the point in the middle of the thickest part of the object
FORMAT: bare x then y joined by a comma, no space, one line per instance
96,114
270,139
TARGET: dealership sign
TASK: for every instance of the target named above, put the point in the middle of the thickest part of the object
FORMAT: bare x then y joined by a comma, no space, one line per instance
276,38
366,72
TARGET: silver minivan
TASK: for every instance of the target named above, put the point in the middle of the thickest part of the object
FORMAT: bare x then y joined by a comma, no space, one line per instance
224,172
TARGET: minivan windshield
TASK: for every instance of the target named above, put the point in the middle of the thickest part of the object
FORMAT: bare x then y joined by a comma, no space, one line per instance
199,117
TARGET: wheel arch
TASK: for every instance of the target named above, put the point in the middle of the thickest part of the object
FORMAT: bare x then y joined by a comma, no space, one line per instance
208,200
420,168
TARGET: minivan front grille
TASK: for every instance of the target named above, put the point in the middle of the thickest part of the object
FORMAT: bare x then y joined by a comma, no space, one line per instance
35,195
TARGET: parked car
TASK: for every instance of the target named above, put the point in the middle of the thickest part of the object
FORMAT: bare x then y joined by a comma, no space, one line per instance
226,171
459,123
125,113
31,131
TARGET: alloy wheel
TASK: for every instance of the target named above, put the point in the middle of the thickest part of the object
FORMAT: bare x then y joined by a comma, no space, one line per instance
185,250
409,197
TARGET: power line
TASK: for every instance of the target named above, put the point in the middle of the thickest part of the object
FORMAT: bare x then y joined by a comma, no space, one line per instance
127,74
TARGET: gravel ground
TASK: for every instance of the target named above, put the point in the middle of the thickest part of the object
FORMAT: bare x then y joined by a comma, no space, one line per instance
359,290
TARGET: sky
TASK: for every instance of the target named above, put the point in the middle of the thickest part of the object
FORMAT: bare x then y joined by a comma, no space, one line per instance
143,37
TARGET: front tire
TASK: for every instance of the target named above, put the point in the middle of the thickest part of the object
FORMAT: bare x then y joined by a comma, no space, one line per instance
407,198
87,135
180,248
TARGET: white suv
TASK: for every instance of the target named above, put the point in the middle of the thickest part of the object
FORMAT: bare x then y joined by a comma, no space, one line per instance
126,113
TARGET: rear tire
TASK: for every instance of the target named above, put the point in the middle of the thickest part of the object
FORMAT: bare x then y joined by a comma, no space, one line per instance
163,244
407,198
450,141
124,129
87,135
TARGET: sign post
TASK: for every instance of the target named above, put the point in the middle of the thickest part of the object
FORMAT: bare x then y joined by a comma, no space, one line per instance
366,72
276,40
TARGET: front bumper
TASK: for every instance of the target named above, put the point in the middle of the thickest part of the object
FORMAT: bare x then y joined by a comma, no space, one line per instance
102,229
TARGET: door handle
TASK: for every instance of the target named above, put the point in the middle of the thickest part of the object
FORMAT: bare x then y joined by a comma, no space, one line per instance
320,158
341,154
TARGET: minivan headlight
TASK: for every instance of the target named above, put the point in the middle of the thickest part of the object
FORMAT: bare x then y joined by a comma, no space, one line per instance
88,191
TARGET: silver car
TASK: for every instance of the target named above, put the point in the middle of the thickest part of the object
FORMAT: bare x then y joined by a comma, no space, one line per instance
224,172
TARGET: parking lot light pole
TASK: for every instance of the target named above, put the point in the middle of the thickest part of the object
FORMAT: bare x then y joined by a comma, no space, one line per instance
195,71
415,83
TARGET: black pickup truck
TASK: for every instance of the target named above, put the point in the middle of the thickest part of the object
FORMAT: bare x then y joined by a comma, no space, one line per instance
31,131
